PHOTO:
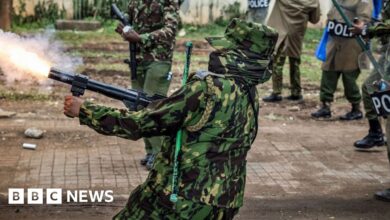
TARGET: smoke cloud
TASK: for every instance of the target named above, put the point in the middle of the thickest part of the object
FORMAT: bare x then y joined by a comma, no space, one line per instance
27,59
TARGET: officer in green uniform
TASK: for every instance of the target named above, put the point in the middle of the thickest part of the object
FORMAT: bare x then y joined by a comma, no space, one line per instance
375,134
342,59
290,19
217,111
155,24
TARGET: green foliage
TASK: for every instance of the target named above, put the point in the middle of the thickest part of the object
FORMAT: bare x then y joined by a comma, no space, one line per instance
229,12
96,8
45,12
21,96
202,31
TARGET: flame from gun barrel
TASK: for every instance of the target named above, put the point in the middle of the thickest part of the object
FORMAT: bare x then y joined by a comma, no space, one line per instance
26,61
29,58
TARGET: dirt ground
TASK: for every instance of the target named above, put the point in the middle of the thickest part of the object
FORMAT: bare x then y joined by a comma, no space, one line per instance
313,199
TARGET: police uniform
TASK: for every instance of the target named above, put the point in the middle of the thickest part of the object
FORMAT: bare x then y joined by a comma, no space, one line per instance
257,10
156,21
212,163
375,134
342,58
290,18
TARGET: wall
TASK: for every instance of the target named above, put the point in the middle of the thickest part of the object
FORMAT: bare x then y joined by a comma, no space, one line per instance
193,11
202,11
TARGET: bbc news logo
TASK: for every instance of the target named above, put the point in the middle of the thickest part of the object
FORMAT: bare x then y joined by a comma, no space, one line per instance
16,196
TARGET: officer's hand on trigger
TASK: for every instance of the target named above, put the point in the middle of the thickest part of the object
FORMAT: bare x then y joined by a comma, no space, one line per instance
72,106
131,36
358,27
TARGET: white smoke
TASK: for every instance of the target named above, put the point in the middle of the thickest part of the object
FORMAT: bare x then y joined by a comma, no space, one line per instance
43,45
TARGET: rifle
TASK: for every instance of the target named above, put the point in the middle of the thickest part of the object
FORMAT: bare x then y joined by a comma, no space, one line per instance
131,98
132,46
359,39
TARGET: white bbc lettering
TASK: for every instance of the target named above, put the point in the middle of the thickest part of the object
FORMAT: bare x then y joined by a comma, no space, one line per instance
34,196
109,196
96,196
54,196
71,197
83,196
15,196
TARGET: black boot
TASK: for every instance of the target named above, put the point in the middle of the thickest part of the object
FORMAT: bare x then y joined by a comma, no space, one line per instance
354,114
374,137
295,97
323,112
145,160
383,195
273,98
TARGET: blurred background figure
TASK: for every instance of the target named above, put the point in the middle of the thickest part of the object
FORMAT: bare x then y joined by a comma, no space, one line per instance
258,10
290,18
342,59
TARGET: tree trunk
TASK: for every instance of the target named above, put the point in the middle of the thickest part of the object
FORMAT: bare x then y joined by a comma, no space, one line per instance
5,14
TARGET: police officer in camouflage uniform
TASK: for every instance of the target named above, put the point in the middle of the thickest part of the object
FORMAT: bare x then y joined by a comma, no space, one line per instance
217,111
155,25
375,134
342,59
290,18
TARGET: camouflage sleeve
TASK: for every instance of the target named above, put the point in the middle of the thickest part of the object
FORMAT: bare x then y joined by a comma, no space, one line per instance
168,31
166,118
379,29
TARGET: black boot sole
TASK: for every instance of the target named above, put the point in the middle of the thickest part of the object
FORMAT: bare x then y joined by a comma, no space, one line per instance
272,101
328,117
350,119
365,148
381,198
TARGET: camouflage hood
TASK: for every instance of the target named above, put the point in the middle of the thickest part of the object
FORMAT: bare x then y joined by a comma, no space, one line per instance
245,51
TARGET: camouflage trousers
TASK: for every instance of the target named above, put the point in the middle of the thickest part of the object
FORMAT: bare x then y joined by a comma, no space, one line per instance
144,204
329,82
295,76
152,78
367,102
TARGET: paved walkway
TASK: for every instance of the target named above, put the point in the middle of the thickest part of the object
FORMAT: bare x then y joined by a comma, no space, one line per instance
305,158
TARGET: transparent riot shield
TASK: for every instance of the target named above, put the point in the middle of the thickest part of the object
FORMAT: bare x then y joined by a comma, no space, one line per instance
377,82
378,76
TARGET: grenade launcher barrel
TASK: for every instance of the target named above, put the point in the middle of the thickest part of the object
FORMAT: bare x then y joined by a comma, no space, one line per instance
133,99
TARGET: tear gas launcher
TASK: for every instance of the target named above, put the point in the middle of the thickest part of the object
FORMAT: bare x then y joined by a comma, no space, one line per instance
133,99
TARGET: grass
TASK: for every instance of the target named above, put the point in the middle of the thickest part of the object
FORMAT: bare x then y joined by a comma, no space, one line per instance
22,96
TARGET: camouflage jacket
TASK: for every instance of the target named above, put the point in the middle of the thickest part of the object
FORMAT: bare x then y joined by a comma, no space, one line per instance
381,29
156,21
212,167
